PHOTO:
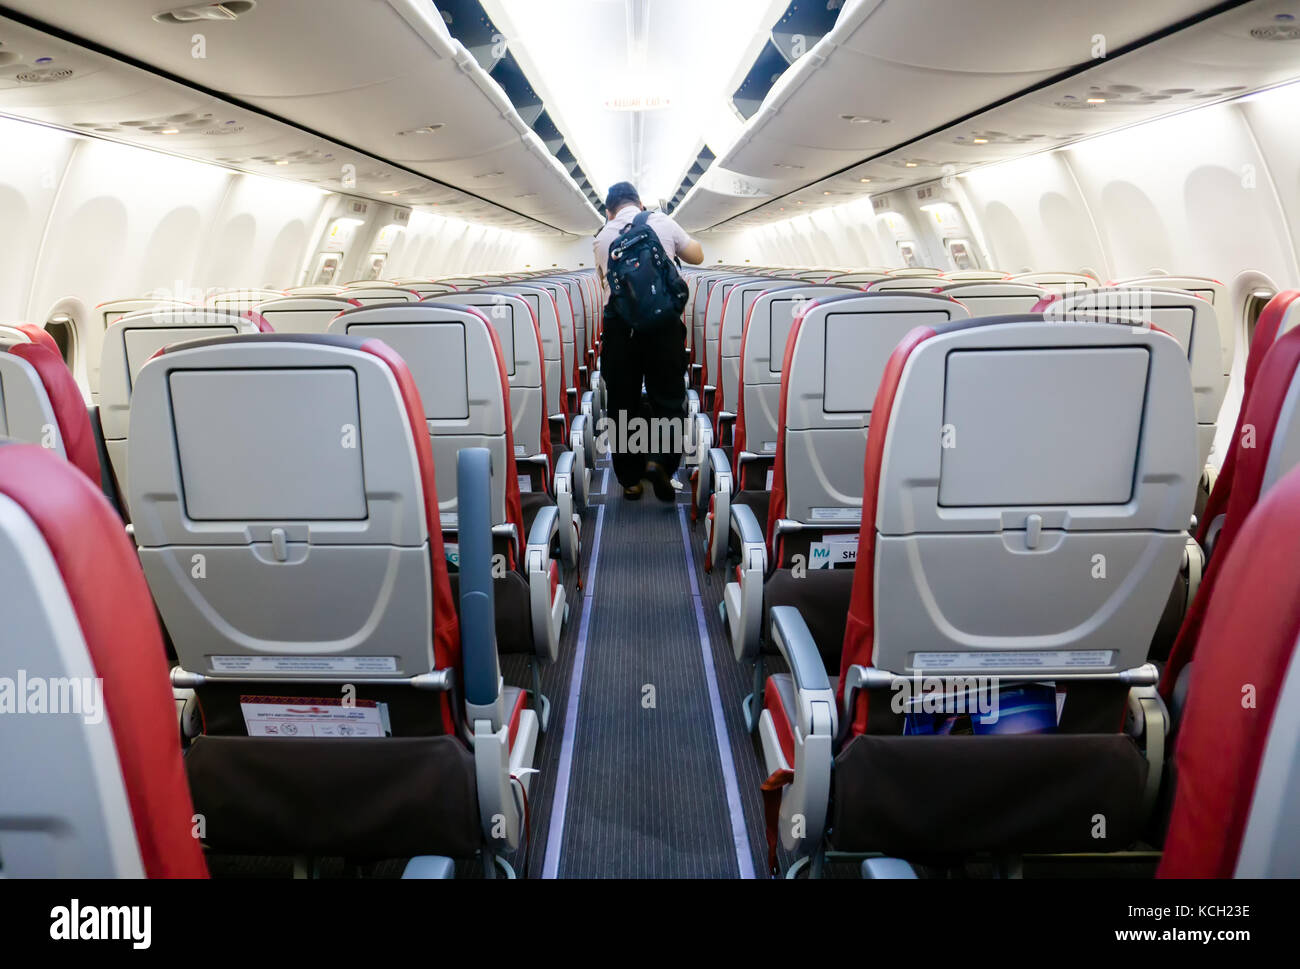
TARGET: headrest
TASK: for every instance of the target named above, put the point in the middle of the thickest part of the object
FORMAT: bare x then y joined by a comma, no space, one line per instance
51,394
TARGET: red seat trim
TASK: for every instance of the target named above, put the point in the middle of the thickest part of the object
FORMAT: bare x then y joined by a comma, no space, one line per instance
859,632
116,614
780,720
1249,637
69,406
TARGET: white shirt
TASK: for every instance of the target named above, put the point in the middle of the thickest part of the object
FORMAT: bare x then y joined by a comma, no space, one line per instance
671,235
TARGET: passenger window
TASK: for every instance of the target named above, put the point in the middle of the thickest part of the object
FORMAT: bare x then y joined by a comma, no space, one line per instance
1255,304
64,330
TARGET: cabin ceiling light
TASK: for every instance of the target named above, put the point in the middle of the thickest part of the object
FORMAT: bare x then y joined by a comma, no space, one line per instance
626,106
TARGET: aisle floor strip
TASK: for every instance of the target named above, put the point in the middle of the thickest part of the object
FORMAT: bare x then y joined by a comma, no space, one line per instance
739,832
560,803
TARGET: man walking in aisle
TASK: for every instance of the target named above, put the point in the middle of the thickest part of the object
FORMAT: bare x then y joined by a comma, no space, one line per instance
641,341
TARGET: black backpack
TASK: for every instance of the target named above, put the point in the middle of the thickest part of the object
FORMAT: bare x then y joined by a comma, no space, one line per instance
645,288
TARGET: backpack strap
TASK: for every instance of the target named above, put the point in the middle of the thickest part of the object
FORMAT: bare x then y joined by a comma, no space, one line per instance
641,218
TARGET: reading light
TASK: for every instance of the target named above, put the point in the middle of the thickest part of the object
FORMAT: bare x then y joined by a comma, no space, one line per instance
981,141
1096,100
170,131
864,181
909,164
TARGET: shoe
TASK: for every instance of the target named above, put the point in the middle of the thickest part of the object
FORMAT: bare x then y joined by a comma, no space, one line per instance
660,482
633,493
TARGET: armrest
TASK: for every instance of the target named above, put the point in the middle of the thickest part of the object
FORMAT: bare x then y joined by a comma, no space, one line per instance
719,518
478,638
537,567
703,474
805,803
429,866
564,492
795,641
743,599
1148,722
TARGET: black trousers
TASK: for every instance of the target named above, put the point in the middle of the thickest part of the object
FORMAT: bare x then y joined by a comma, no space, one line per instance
657,357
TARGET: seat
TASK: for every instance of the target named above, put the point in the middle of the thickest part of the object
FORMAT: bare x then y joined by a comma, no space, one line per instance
911,283
774,309
241,300
989,564
368,294
916,271
859,278
1258,459
456,361
106,314
544,308
285,488
1238,765
303,314
1190,319
1056,282
424,287
78,613
314,291
130,342
976,276
995,298
568,336
521,349
737,297
1279,316
707,322
1210,290
40,402
834,357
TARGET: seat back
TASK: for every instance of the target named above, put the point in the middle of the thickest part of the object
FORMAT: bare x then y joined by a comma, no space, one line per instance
314,291
976,275
547,315
424,288
1260,457
856,278
1238,764
78,616
577,301
700,308
1189,319
1210,290
1278,318
40,402
369,294
568,327
456,362
241,300
1056,282
303,314
283,493
761,355
920,271
711,322
521,352
722,340
908,284
130,342
995,298
1022,522
106,314
834,358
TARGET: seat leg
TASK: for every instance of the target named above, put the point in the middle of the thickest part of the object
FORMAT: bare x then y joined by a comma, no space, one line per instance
750,702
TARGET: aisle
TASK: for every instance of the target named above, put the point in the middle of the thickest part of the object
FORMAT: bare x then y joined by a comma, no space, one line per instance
644,786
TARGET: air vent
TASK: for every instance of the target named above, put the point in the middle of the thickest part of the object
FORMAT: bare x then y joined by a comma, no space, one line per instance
44,75
229,10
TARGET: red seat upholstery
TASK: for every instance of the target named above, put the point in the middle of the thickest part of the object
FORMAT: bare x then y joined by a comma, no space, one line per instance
115,614
1249,455
1248,637
65,397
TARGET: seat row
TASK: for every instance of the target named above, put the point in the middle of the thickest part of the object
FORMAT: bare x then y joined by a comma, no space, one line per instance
1030,481
330,524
